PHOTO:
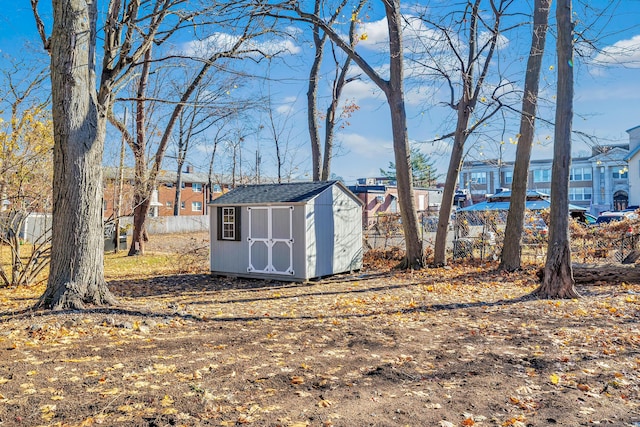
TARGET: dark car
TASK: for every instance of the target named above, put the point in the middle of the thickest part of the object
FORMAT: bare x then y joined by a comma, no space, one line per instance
609,217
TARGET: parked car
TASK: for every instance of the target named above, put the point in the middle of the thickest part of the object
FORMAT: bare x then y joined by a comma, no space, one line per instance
607,217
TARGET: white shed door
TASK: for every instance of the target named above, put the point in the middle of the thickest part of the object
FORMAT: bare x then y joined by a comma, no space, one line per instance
271,240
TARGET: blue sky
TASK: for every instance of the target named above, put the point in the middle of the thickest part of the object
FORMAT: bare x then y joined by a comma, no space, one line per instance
607,93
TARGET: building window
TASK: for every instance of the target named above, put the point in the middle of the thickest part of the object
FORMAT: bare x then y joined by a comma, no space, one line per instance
579,194
620,173
196,206
182,205
542,175
229,223
580,174
508,177
478,177
196,187
182,184
168,204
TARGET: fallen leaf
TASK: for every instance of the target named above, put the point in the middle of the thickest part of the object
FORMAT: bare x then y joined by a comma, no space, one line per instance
296,379
323,403
166,401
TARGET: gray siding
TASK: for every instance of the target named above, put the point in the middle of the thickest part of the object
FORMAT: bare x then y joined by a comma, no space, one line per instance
326,236
228,256
334,234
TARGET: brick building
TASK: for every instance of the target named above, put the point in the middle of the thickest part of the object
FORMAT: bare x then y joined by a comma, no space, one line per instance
194,193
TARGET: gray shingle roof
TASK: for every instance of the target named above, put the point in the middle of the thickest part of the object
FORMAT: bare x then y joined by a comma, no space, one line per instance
274,193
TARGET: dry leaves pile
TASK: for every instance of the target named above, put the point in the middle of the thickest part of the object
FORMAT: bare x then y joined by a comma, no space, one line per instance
462,346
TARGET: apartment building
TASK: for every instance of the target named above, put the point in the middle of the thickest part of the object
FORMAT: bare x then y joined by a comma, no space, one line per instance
598,182
194,193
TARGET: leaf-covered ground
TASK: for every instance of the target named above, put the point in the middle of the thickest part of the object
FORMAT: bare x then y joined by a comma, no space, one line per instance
462,346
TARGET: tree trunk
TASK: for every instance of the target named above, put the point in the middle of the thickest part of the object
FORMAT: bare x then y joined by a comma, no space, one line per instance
142,193
76,275
511,251
312,102
395,97
464,108
558,277
439,251
177,203
139,236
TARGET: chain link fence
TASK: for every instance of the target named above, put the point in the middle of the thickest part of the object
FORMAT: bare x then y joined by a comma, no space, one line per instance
480,236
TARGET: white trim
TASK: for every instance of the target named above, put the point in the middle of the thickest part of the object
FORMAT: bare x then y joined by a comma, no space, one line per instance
269,241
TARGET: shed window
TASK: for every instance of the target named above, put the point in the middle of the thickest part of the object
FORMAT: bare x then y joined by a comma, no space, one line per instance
229,223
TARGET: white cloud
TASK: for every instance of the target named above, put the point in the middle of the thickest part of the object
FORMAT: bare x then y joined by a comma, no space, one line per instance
366,148
220,42
362,89
285,109
377,35
502,41
624,52
287,106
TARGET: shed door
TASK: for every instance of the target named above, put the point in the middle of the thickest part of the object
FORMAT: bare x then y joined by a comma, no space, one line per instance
271,240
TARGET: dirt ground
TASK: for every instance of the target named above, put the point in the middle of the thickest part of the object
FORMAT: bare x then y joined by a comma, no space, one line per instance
461,346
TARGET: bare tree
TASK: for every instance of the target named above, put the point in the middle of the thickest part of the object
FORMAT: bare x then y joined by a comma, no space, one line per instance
511,251
393,88
557,280
473,70
192,122
26,142
321,159
146,176
80,116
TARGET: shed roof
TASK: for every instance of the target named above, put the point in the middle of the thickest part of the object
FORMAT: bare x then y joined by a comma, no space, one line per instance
294,192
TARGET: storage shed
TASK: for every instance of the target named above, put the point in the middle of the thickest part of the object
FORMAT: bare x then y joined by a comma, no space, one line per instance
293,231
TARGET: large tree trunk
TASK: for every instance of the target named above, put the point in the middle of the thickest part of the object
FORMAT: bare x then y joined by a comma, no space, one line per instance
76,276
558,278
395,97
511,251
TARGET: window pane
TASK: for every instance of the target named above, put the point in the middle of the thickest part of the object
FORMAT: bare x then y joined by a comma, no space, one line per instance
228,223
